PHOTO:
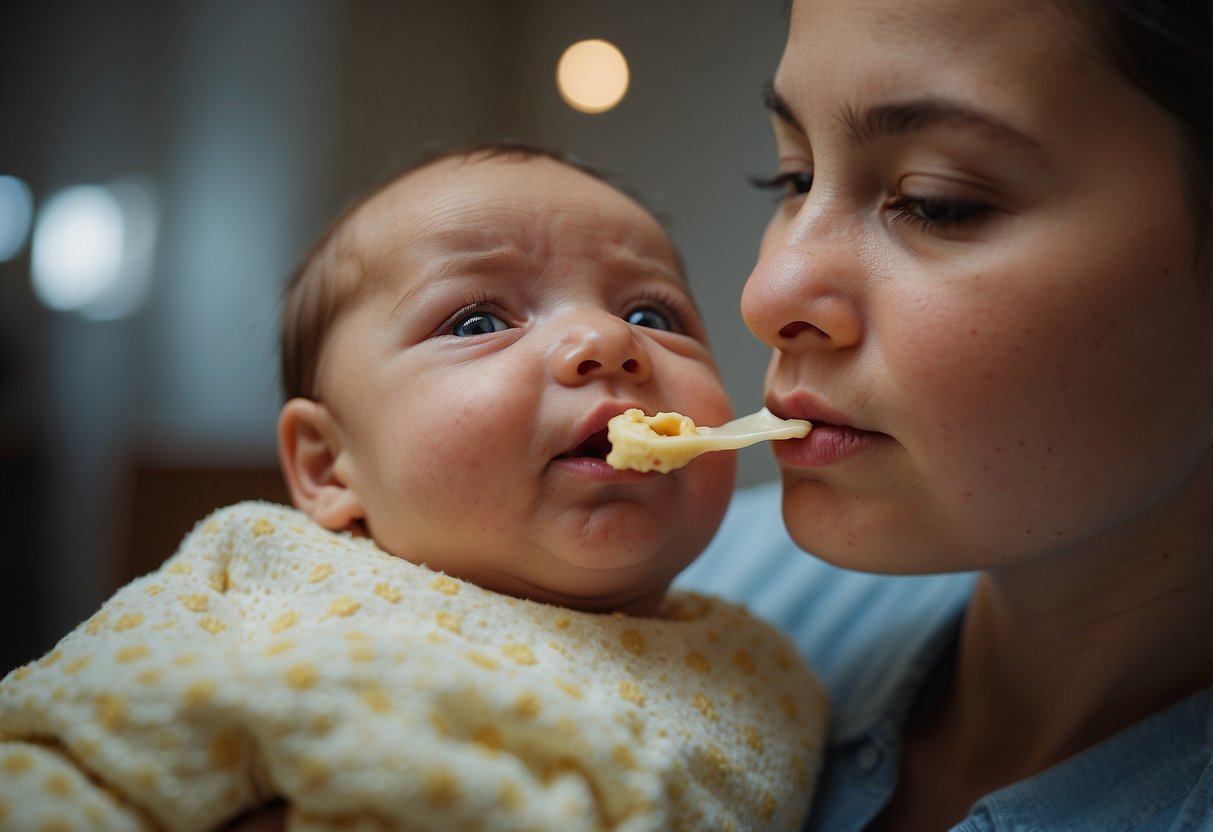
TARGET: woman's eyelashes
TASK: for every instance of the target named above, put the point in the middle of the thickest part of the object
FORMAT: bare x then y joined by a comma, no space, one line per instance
928,212
938,213
789,185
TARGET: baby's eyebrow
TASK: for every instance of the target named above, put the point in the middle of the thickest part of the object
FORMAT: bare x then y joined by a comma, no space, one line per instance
497,260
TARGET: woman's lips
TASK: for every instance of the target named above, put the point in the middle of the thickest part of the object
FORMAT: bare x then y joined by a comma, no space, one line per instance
831,440
826,444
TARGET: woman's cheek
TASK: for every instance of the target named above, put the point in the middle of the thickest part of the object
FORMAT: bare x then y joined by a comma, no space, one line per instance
967,389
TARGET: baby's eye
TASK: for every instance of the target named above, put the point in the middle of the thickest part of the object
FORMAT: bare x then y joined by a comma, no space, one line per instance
478,323
651,318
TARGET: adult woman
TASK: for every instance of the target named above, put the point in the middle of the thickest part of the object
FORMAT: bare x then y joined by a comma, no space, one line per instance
988,281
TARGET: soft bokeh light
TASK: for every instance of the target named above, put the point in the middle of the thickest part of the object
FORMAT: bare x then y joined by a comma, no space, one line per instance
592,76
16,212
92,249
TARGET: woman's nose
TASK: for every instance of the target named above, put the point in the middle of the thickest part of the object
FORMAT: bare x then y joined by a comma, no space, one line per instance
598,345
795,300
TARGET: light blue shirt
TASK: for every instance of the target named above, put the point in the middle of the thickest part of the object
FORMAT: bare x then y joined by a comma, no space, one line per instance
873,639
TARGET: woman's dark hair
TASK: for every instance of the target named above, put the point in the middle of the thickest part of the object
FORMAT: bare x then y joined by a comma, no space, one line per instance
1166,48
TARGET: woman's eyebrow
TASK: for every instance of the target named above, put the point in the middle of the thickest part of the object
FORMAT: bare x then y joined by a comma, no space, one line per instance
910,116
776,104
903,117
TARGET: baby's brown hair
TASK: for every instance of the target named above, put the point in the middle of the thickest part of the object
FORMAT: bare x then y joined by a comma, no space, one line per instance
333,272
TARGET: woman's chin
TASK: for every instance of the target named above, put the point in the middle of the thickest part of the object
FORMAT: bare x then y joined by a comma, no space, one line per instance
852,533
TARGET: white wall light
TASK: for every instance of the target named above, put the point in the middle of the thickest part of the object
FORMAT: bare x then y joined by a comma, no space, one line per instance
592,76
92,249
16,212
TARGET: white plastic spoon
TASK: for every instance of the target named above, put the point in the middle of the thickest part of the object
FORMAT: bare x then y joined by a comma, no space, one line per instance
670,440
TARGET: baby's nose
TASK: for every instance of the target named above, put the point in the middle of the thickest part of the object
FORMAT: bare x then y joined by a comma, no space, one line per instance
599,345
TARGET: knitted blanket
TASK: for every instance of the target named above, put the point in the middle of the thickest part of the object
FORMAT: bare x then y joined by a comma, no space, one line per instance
269,657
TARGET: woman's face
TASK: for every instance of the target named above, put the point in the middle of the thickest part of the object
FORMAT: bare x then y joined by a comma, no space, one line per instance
982,285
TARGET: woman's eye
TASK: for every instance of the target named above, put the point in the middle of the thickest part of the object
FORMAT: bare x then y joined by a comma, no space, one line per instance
790,185
941,213
650,318
478,323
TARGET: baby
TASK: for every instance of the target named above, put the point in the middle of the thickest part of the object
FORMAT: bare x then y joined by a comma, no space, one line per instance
464,623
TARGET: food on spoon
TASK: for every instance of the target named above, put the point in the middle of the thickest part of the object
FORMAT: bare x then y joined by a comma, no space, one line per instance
667,441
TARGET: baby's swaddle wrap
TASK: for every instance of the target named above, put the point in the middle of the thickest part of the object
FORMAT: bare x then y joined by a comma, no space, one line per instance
271,657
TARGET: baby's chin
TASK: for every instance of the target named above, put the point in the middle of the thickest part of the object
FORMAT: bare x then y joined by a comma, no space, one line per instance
636,590
634,600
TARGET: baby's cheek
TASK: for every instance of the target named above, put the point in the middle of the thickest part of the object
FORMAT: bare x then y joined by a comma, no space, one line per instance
711,488
709,401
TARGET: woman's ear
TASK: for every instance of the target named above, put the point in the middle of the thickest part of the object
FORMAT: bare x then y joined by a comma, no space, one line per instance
309,443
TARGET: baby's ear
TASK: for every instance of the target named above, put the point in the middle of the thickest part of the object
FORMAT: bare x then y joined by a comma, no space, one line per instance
308,446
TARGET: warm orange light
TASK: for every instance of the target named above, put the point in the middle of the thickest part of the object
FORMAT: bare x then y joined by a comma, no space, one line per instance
592,76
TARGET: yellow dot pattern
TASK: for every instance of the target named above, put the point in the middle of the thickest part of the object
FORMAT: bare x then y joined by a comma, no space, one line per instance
132,653
449,621
388,593
267,650
319,572
128,622
42,789
344,606
201,692
631,692
285,621
633,642
301,676
194,602
445,585
519,653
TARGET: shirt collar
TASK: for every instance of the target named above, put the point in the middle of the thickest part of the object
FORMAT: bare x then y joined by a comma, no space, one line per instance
893,674
1160,765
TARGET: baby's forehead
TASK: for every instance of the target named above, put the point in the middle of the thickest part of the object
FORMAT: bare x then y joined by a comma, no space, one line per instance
534,207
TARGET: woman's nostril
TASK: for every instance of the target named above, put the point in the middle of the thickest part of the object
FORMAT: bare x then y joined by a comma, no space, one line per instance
795,328
631,365
587,366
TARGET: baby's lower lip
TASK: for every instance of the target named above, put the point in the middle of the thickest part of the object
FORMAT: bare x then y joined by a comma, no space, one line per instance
596,468
826,444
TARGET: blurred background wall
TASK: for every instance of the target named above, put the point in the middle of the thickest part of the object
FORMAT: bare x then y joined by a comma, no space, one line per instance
250,124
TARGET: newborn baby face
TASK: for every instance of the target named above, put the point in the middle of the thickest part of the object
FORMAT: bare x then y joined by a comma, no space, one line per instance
512,307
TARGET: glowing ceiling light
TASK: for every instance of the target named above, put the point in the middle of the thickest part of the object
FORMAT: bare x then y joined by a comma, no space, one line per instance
92,249
592,76
16,212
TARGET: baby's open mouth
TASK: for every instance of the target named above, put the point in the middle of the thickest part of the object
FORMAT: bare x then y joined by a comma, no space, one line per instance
595,446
